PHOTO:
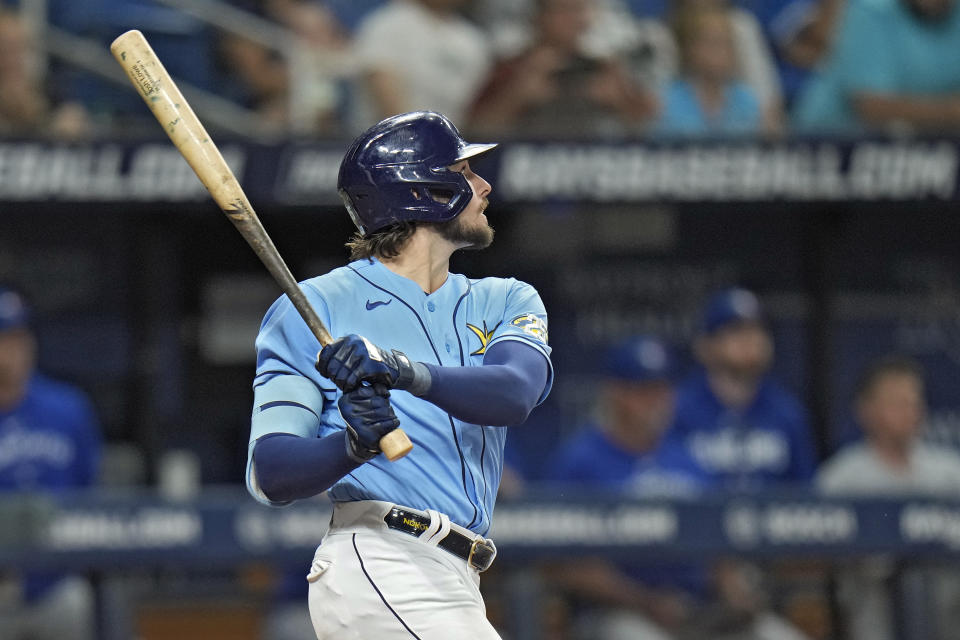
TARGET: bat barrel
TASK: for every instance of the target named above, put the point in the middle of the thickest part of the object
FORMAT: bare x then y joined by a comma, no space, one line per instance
185,130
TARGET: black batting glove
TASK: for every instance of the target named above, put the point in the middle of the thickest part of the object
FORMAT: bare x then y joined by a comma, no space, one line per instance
352,360
369,417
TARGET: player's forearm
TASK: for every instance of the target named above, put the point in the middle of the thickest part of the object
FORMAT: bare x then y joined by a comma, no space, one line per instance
919,111
500,393
289,467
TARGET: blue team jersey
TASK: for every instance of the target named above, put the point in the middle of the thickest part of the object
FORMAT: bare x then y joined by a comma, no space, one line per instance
592,461
50,441
768,443
454,467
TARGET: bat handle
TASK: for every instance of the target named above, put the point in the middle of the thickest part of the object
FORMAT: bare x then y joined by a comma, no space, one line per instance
395,445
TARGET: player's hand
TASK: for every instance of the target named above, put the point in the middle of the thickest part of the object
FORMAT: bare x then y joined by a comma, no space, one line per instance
353,359
369,417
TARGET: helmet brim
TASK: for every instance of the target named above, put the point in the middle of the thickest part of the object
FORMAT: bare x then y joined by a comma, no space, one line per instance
474,150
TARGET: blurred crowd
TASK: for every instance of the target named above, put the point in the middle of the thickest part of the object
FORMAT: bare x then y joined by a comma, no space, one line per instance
531,68
539,69
726,424
660,431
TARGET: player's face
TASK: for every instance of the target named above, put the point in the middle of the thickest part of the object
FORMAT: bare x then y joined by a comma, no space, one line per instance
563,22
711,55
17,354
641,411
743,350
470,229
894,408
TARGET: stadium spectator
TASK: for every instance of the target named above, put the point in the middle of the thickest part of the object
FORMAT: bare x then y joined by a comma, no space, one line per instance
888,69
554,87
317,84
643,42
624,455
801,32
739,424
707,98
755,60
892,460
25,108
49,443
299,89
417,54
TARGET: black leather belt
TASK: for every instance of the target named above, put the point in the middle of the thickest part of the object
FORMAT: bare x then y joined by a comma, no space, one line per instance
477,552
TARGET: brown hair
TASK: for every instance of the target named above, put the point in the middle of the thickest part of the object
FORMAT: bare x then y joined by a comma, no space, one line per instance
895,365
386,243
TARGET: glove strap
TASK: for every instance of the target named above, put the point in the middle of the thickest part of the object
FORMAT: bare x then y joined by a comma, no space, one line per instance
356,451
411,376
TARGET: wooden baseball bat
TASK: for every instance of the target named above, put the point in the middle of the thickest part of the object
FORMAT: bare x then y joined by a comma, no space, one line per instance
174,114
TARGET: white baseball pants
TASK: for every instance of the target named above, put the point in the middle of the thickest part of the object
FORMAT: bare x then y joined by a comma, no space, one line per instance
370,582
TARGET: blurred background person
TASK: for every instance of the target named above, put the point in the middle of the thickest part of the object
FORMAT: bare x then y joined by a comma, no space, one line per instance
801,33
755,62
417,54
301,89
890,67
556,86
708,98
49,443
740,425
25,107
893,461
624,454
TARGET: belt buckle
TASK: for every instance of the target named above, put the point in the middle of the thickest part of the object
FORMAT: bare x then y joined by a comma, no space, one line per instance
483,563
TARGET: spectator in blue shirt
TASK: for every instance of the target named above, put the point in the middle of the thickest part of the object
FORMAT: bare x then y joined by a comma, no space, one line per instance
707,99
49,442
893,64
624,454
739,424
622,451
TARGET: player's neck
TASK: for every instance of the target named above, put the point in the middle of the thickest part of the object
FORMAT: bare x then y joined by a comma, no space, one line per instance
893,452
425,259
735,392
11,396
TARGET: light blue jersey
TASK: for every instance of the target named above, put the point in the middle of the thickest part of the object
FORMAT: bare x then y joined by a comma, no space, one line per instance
454,467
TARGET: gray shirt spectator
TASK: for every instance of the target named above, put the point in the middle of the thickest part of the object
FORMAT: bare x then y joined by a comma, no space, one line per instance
417,54
892,460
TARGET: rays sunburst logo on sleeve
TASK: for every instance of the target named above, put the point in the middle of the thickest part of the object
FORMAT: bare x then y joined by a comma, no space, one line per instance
484,335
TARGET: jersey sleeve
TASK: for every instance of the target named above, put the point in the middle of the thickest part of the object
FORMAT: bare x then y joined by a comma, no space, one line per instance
287,395
525,320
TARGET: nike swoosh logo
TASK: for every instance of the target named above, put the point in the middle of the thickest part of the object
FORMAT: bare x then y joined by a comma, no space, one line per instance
373,305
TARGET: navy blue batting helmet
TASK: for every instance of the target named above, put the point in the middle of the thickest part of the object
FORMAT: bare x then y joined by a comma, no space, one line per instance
397,170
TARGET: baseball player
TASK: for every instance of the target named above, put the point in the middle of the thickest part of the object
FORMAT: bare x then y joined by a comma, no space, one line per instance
450,359
50,442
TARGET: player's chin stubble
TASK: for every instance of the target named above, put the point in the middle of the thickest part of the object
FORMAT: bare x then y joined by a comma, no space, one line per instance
459,232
